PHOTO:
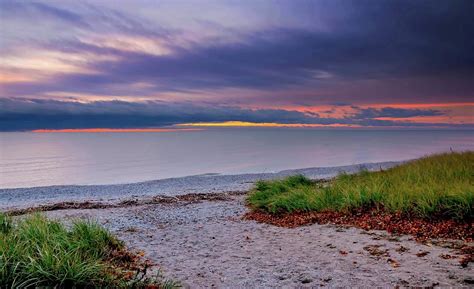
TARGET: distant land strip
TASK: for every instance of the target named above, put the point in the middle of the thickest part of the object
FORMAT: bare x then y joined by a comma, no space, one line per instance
97,130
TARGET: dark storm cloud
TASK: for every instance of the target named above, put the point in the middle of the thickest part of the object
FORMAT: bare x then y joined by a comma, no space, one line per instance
36,113
29,114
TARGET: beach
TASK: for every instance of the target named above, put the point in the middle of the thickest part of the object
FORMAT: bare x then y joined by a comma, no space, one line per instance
201,184
204,242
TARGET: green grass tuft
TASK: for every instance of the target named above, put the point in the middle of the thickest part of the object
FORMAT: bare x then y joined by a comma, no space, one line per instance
435,186
37,252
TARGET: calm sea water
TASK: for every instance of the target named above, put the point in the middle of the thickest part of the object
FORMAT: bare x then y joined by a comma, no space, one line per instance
41,159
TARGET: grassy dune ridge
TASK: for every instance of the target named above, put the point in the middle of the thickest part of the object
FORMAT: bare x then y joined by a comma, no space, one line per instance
37,252
436,186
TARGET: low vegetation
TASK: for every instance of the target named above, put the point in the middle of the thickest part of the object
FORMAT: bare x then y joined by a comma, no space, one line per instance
438,186
38,252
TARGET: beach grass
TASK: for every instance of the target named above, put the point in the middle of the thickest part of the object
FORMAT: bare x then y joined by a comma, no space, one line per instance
436,186
37,252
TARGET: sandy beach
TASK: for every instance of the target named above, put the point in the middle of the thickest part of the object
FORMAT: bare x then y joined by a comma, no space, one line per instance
206,243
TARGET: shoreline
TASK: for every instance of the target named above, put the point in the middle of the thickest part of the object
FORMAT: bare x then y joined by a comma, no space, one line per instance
194,230
23,198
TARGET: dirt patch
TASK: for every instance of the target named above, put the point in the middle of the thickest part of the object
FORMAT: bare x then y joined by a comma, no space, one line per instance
375,250
422,254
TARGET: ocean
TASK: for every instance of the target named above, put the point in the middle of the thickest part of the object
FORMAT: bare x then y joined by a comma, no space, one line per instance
30,159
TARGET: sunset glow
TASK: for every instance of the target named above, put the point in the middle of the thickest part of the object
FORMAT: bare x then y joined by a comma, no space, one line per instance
261,124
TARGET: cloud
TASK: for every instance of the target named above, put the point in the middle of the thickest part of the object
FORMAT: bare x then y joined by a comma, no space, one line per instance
29,114
37,9
322,52
35,113
85,16
367,41
278,57
369,113
374,41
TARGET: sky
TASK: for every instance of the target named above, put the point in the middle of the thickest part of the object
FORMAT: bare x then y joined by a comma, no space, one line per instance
154,64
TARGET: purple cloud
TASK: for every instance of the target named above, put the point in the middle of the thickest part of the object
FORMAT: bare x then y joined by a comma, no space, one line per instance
29,114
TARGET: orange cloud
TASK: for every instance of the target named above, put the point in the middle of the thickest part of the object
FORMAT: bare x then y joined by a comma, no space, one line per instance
261,124
453,113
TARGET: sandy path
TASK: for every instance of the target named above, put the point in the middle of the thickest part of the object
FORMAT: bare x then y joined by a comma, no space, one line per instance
206,244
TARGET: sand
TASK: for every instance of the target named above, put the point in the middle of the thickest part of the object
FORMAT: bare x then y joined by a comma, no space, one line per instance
207,244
